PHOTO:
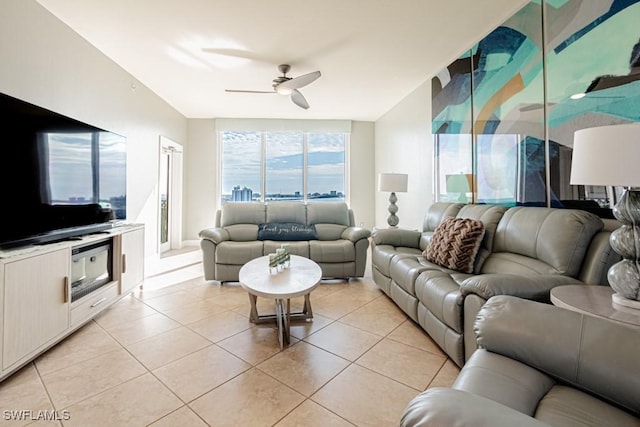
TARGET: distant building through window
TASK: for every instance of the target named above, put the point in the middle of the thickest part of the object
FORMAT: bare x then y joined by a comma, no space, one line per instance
274,166
241,195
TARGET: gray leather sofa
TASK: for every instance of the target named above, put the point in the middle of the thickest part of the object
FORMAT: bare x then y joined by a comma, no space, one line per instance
340,248
525,252
539,365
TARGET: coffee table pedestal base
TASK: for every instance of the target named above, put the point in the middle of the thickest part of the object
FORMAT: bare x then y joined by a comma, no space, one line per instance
282,317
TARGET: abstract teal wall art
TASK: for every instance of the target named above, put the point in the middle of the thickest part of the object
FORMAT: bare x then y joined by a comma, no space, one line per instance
528,92
452,127
508,110
593,78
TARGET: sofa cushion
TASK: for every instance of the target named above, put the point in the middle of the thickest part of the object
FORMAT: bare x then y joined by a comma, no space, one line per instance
557,237
334,251
286,231
238,253
330,231
568,406
455,244
504,380
405,270
490,215
384,254
295,248
439,292
328,213
287,212
509,263
243,213
242,232
437,212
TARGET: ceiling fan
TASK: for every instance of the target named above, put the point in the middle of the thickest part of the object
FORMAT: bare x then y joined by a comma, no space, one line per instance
285,85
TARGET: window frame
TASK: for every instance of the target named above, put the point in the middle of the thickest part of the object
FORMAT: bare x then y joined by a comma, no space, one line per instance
263,168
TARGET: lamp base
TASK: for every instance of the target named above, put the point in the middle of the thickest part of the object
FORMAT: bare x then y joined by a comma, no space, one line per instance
621,303
624,276
393,219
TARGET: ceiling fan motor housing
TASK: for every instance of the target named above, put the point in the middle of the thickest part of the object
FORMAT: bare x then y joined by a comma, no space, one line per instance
279,80
284,69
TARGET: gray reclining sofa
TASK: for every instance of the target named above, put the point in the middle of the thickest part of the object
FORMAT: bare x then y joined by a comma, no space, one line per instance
539,365
525,252
329,237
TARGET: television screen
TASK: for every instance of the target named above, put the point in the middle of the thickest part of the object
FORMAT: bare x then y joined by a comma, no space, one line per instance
60,177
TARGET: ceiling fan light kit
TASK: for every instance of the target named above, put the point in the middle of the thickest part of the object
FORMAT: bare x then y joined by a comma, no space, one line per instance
282,90
285,85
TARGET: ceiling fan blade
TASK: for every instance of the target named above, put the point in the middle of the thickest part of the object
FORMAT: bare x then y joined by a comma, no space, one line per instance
299,99
300,81
249,91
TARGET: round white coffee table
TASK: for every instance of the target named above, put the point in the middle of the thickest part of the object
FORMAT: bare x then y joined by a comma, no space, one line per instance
302,276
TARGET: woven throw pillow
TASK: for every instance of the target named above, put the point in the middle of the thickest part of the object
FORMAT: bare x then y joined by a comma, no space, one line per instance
455,244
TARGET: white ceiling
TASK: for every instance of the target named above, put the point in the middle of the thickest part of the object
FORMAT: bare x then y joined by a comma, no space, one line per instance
372,53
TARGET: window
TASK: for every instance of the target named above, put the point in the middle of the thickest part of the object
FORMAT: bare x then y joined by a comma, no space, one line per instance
284,164
268,166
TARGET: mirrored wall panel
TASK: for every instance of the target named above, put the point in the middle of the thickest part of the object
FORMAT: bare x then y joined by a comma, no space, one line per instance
593,79
452,131
505,112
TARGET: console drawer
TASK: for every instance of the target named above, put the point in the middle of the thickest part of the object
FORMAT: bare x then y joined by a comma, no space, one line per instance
92,304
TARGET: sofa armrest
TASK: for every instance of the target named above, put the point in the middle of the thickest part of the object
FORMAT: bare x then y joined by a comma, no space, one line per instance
397,237
441,407
355,233
534,287
216,235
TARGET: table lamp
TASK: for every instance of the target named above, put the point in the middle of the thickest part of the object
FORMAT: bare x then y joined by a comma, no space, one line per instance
608,156
459,183
395,183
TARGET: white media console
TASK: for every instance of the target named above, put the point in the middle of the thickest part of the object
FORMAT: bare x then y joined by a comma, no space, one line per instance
38,307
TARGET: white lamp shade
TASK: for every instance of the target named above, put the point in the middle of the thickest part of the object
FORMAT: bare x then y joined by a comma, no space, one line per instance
393,182
607,155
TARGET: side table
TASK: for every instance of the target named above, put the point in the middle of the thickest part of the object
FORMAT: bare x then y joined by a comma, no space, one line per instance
593,300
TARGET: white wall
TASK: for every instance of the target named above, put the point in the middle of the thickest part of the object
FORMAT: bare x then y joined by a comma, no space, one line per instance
45,63
361,167
403,144
202,198
201,176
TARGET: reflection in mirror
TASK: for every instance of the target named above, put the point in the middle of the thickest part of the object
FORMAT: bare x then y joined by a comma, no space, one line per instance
453,159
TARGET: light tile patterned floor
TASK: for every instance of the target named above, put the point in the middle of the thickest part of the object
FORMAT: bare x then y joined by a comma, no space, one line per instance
183,352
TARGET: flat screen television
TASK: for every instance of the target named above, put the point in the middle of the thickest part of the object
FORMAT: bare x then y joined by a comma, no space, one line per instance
59,178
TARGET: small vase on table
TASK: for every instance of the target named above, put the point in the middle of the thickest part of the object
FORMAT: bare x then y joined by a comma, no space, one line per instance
273,264
287,255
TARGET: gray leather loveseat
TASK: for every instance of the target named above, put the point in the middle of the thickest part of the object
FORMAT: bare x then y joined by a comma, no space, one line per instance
324,232
525,252
539,365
